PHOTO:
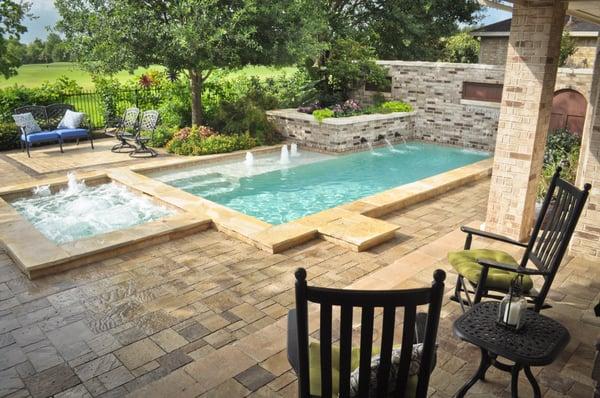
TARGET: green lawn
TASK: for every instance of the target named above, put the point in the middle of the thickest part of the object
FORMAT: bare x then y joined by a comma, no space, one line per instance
35,75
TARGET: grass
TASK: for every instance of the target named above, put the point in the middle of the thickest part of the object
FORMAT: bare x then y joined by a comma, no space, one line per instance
35,75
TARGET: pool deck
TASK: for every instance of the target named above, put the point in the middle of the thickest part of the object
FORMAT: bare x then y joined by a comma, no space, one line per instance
155,322
355,225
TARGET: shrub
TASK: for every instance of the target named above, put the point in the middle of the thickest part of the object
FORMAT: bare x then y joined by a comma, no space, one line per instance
321,114
462,47
203,140
161,135
9,136
347,66
562,150
394,106
244,115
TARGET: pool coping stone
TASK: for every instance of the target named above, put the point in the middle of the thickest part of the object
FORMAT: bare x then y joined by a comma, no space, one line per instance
354,225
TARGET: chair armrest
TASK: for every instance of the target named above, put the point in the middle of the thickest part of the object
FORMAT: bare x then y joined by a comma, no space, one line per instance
508,267
292,340
489,235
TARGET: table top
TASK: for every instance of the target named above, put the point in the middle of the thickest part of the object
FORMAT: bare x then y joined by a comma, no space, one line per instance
538,343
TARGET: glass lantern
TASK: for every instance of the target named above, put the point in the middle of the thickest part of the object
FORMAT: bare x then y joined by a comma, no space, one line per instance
511,312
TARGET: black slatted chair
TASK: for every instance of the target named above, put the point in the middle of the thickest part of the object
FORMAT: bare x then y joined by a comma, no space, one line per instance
484,273
417,328
124,129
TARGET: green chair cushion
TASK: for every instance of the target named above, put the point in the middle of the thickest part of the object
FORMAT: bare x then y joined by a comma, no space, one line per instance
314,359
465,263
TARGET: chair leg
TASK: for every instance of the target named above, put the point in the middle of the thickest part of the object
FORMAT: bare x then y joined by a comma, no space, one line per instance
27,146
61,147
91,141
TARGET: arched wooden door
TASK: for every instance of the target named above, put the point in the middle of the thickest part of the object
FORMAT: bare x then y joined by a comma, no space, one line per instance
568,111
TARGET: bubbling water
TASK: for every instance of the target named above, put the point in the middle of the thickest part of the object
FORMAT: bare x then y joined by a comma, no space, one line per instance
79,211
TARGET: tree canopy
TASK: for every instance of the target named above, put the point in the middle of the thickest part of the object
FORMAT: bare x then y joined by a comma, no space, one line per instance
194,36
12,14
401,29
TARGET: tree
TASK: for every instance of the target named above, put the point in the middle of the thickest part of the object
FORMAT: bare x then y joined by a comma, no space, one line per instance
191,36
12,14
568,47
461,47
35,52
401,29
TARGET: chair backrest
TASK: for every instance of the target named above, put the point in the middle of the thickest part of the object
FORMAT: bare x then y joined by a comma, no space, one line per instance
55,113
367,302
38,112
149,120
554,228
130,118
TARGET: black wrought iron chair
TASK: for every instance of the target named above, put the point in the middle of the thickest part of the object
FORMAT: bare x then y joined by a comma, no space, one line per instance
310,359
124,128
148,123
484,273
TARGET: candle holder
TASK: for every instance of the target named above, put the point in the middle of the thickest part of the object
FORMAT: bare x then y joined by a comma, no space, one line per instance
511,312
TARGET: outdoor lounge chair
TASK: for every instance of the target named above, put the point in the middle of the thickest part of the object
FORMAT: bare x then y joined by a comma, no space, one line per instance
148,123
488,273
324,368
125,128
52,123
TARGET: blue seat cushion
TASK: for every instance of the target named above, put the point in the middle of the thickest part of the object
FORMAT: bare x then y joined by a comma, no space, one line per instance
72,133
41,136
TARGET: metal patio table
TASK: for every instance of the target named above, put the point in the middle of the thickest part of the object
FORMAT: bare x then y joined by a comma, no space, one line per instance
538,343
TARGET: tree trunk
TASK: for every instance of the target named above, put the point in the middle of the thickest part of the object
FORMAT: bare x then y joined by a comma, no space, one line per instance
196,92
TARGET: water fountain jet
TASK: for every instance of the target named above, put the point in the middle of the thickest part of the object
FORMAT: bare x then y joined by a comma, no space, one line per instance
294,150
285,155
249,161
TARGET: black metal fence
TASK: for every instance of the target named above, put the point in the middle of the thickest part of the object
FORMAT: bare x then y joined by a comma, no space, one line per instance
95,107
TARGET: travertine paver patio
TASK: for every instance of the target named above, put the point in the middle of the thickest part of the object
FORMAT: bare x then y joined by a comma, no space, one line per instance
205,315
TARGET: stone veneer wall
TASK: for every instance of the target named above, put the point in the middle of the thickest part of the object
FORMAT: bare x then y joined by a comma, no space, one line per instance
435,91
343,134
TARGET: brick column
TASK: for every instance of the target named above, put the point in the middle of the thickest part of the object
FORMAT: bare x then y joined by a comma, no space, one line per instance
530,75
586,241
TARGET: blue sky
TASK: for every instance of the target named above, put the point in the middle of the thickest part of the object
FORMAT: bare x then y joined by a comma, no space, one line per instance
47,16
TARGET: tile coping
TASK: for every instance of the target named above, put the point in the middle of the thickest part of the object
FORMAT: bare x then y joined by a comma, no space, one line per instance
353,225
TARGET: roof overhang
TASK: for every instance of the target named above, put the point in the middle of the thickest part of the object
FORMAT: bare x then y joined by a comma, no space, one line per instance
588,10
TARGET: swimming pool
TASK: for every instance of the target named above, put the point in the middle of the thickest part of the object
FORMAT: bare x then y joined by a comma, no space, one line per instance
278,192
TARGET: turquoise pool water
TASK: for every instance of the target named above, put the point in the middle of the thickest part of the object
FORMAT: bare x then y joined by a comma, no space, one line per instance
291,192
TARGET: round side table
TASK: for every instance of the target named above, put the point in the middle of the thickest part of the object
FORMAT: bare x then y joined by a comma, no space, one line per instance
538,343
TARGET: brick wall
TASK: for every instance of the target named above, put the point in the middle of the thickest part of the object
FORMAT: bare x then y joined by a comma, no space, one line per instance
435,91
343,134
492,51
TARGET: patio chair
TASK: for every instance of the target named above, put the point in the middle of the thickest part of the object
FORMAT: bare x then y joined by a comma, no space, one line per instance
325,369
148,123
488,273
124,129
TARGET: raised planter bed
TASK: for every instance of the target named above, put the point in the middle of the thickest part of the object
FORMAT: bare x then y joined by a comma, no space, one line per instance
344,134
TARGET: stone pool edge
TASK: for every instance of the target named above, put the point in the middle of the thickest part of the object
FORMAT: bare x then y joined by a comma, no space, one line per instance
353,225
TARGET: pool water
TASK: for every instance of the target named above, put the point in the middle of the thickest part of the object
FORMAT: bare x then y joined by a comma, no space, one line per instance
288,192
79,211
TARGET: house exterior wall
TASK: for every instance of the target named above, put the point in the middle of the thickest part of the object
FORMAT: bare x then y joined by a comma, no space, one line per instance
492,51
434,89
